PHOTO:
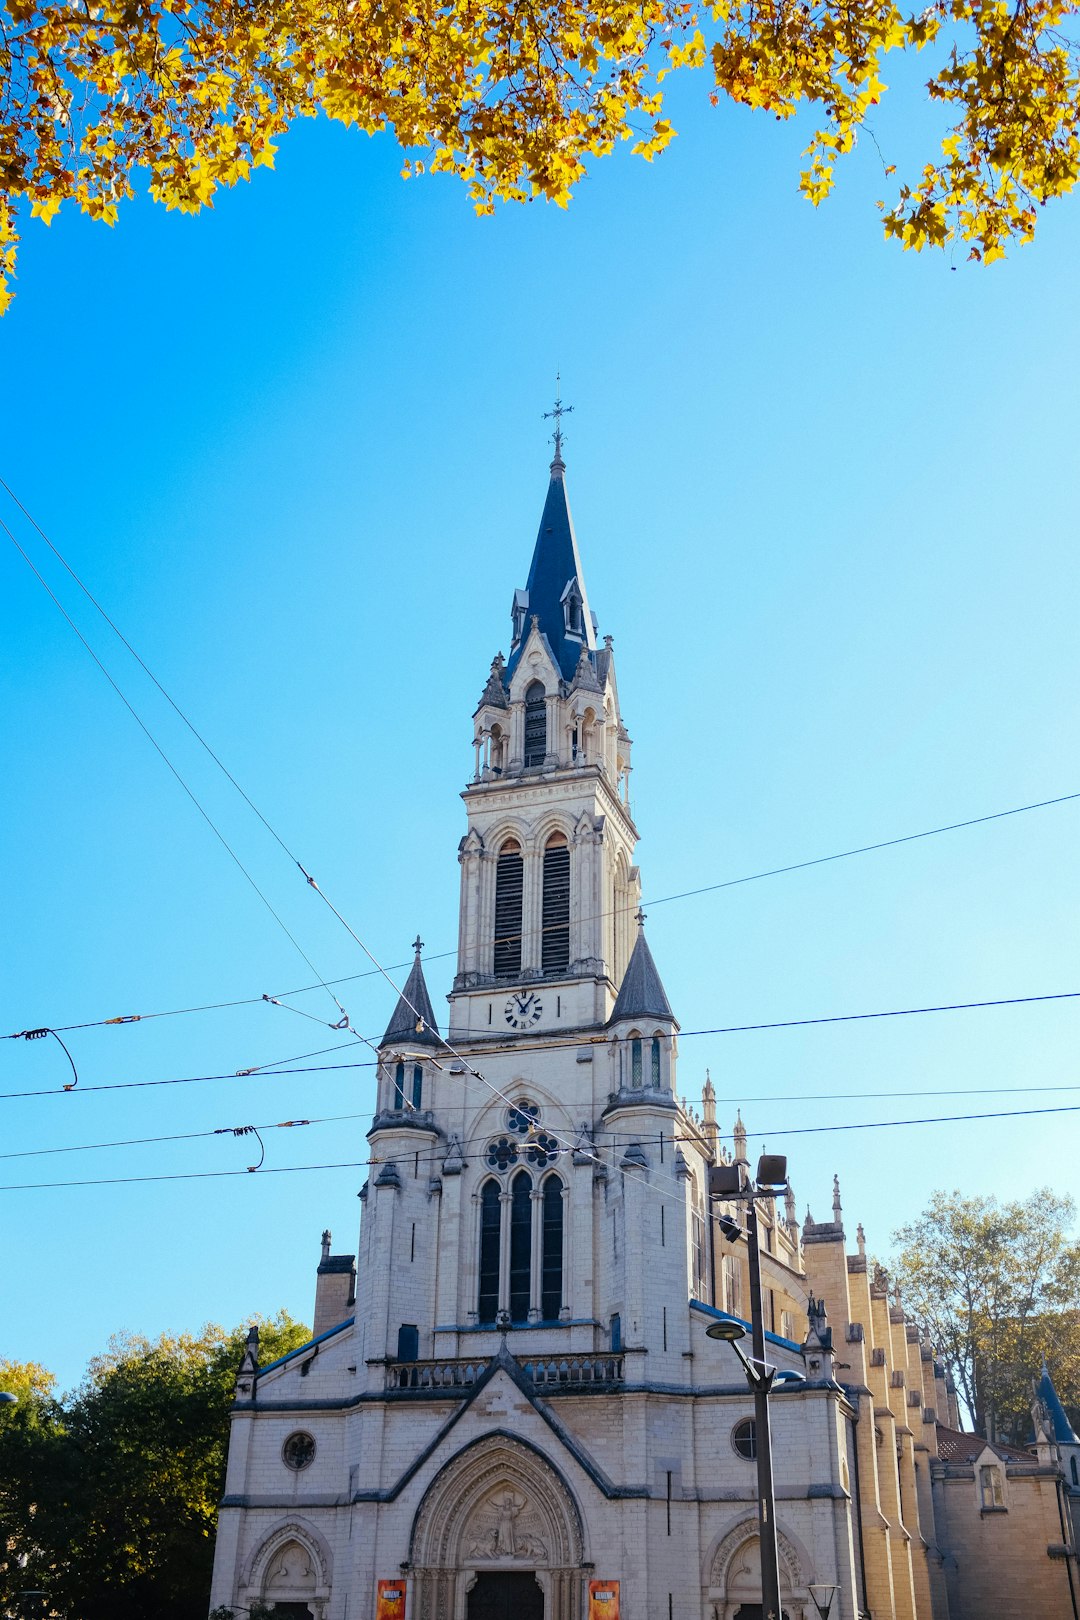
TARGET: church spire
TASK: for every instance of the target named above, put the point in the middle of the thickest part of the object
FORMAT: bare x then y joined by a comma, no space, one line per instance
555,593
641,994
413,1023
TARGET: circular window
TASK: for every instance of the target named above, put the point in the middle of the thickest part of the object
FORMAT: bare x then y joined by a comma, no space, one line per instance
501,1154
298,1451
522,1117
744,1439
542,1150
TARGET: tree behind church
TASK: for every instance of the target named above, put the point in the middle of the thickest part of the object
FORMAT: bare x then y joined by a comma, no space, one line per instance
998,1285
110,1495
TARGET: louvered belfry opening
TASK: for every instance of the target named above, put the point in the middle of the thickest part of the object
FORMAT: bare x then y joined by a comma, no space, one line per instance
535,725
555,951
509,877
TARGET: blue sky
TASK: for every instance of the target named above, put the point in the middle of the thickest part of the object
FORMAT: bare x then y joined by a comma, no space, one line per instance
824,494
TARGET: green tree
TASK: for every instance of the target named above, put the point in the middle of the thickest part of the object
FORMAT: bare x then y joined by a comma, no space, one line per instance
998,1285
515,98
114,1491
33,1470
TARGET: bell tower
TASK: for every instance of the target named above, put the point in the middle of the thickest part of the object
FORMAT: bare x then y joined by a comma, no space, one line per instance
549,890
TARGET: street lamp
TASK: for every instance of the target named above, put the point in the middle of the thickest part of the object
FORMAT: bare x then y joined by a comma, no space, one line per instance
823,1594
7,1399
730,1181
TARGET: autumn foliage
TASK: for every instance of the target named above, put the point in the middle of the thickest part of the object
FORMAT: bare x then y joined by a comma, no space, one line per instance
515,98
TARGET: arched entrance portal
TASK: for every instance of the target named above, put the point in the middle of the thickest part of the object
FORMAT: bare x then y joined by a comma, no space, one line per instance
505,1595
498,1536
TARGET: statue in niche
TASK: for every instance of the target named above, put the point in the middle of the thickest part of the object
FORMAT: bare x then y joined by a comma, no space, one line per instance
502,1533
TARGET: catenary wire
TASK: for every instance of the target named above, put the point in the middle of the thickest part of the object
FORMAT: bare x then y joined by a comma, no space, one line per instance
687,1034
218,834
444,1042
431,1156
355,1164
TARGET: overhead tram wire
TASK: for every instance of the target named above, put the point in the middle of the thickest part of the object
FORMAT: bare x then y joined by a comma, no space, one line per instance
446,1044
172,768
686,1034
356,1164
753,877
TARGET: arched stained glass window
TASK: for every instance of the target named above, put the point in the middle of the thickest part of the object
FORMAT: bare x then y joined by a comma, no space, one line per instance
490,1223
417,1086
654,1068
520,1245
551,1265
399,1086
635,1063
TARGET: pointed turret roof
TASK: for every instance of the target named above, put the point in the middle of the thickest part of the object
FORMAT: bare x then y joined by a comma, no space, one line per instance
1048,1395
641,994
413,1023
555,572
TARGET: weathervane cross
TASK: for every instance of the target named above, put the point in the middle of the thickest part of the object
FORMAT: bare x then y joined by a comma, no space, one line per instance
558,413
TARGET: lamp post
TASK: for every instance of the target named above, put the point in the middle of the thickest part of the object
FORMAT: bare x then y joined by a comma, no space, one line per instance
729,1181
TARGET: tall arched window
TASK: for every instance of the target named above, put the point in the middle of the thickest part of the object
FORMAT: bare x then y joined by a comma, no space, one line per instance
635,1062
399,1086
520,1246
555,949
509,874
654,1067
490,1224
417,1085
535,724
551,1267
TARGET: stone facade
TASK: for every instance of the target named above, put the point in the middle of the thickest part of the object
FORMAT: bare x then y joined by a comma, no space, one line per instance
524,1384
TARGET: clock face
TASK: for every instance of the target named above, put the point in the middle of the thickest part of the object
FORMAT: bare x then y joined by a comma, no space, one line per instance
523,1009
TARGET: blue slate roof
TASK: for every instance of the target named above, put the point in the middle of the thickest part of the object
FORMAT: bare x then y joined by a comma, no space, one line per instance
414,1007
555,565
1063,1429
641,994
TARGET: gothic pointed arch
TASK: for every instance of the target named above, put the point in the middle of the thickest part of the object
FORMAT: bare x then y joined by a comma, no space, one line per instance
732,1570
292,1563
499,1500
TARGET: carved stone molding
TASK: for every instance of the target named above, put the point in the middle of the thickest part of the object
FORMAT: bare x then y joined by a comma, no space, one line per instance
497,1501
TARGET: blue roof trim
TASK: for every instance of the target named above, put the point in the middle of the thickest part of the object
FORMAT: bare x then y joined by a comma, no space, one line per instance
281,1360
726,1316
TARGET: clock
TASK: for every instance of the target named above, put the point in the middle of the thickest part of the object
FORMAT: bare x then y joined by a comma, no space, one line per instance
523,1011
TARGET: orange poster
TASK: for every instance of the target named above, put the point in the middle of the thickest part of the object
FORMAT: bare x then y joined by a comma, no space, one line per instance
603,1600
391,1604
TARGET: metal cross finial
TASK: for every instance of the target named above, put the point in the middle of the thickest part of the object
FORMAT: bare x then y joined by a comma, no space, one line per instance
558,413
418,944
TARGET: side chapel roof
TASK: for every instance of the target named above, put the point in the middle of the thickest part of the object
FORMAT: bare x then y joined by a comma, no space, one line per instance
641,994
556,566
413,1009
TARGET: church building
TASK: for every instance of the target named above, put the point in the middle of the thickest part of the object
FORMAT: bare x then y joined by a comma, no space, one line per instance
510,1409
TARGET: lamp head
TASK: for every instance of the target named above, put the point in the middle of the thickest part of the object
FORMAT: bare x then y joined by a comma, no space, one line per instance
725,1180
725,1329
772,1170
7,1399
823,1594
